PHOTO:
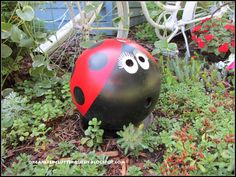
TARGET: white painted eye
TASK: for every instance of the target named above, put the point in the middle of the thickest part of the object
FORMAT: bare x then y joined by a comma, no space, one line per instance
142,59
127,61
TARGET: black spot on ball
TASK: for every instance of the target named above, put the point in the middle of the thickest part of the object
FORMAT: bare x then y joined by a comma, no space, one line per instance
127,48
97,61
79,95
97,44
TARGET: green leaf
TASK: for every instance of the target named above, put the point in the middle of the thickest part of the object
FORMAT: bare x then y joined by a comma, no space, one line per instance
26,43
40,92
26,14
22,138
6,122
226,154
231,166
90,143
213,157
202,168
179,145
16,34
41,72
156,51
216,51
172,46
26,134
84,140
161,44
117,19
38,61
126,150
6,92
5,30
45,84
87,132
99,140
19,58
192,162
6,51
9,65
42,126
101,132
40,35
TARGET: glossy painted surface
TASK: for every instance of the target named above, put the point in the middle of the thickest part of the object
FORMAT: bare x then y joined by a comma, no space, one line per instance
117,81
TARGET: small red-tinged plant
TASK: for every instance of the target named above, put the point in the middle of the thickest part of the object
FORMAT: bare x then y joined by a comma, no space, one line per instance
230,138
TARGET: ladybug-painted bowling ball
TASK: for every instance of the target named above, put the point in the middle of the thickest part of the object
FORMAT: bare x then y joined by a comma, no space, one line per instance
117,81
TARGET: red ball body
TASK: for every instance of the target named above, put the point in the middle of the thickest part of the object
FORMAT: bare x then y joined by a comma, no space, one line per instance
117,81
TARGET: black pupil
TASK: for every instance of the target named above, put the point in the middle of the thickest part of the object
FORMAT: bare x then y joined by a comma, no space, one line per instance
129,62
141,59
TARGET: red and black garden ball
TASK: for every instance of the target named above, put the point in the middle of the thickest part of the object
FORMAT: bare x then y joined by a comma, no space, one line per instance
117,81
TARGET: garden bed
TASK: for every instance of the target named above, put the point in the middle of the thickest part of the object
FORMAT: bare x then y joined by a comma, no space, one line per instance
192,133
183,109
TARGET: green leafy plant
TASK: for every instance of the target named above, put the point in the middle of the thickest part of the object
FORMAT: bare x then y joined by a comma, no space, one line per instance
25,117
167,49
151,139
184,70
39,133
134,140
20,33
93,134
90,167
22,167
209,75
51,107
13,106
215,80
65,149
197,140
130,139
146,32
64,169
198,149
134,171
192,70
87,164
180,99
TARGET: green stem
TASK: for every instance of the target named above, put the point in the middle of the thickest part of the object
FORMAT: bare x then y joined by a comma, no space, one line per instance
28,30
31,55
9,73
18,53
20,23
4,80
13,12
5,41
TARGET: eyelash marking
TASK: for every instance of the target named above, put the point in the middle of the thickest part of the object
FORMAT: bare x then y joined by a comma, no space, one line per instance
122,57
